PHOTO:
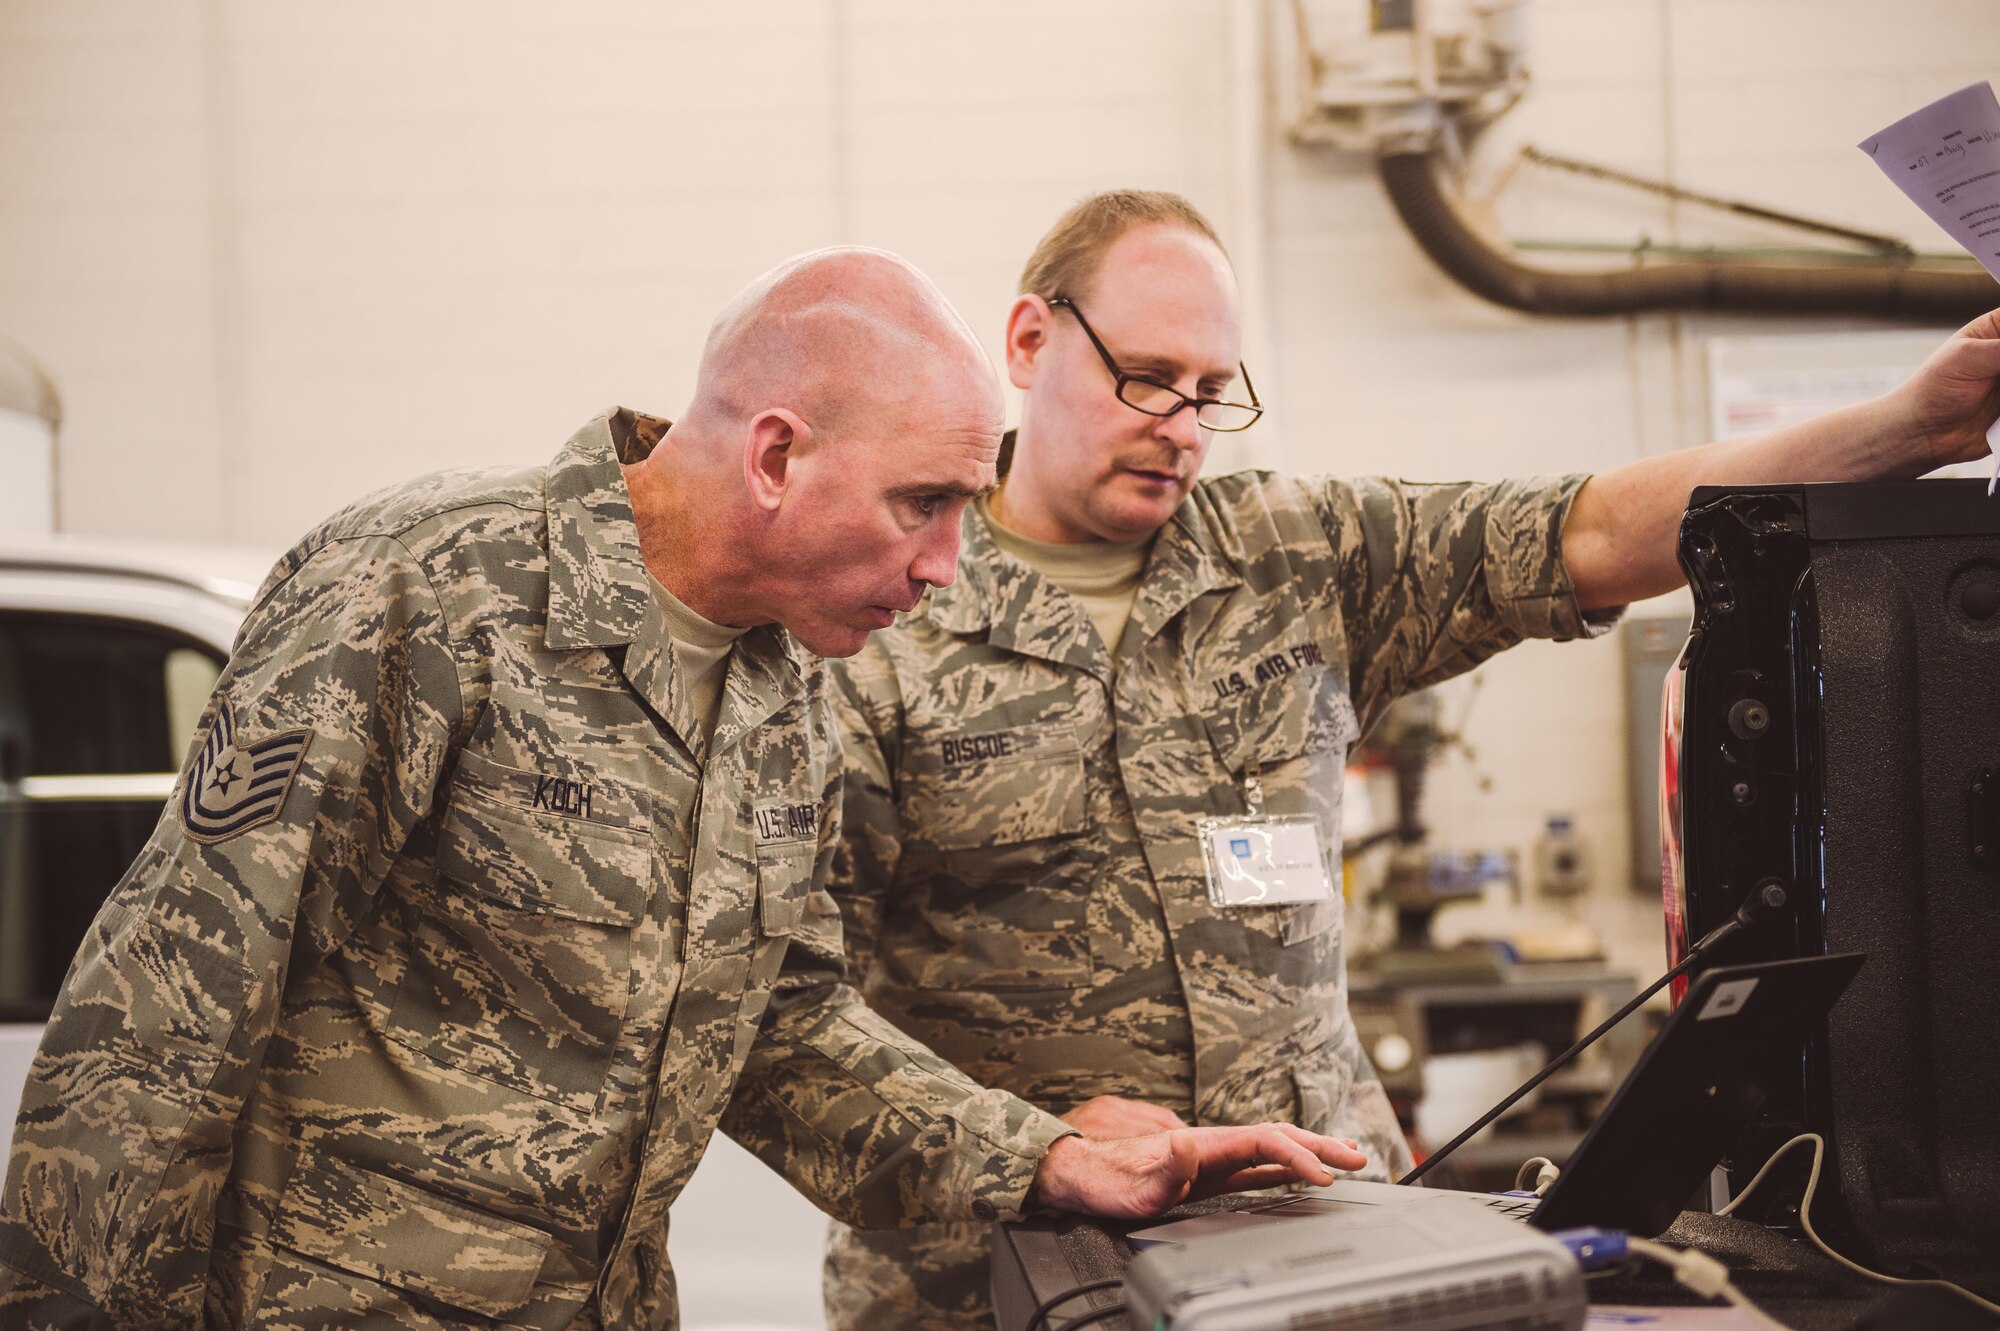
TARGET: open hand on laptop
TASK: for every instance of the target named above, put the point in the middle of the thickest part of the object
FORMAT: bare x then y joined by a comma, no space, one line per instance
1133,1177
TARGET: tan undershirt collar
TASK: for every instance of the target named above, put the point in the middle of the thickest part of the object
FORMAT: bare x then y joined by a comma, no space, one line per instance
701,655
1103,575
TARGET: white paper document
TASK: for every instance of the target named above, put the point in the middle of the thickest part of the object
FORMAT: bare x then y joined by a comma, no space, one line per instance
1946,157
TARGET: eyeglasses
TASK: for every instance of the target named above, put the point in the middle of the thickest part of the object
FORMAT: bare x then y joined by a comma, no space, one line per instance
1158,399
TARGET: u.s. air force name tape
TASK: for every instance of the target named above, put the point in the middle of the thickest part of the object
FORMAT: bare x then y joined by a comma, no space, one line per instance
235,787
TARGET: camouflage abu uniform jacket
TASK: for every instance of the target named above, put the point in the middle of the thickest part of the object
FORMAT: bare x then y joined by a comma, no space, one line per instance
1020,877
447,956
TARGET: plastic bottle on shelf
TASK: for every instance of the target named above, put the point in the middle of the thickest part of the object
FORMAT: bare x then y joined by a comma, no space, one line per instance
1562,859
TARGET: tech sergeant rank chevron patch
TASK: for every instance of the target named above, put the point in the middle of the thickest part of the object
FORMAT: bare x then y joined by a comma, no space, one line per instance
233,787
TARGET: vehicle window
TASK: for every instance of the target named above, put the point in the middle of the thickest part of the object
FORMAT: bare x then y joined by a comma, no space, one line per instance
96,717
191,674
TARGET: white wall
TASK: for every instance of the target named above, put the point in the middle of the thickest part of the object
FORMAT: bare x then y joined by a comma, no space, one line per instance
27,475
280,253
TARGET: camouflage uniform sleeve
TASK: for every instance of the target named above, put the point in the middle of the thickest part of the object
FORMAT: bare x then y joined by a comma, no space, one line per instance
317,754
1435,579
876,1129
872,1126
867,709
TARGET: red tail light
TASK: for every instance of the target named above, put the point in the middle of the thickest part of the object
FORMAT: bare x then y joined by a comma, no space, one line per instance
1673,880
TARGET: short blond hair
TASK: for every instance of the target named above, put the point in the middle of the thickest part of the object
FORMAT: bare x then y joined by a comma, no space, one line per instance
1066,260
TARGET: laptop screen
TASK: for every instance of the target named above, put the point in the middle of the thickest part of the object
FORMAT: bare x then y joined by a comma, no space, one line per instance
1697,1086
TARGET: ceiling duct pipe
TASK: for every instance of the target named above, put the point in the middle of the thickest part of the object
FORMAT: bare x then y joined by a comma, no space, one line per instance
1884,286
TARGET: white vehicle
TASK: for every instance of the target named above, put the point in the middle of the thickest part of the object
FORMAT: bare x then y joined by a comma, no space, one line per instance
108,655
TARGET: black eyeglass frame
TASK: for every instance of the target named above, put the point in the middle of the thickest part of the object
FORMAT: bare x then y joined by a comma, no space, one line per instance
1121,378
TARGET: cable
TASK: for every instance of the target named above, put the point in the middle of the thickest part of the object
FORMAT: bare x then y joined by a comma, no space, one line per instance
1553,1066
1038,1320
1805,1222
1546,1174
1762,903
1702,1274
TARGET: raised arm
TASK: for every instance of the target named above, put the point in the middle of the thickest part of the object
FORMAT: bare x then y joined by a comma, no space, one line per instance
1619,543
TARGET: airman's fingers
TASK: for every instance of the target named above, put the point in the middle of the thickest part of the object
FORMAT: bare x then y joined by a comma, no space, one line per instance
1275,1146
1340,1152
1251,1180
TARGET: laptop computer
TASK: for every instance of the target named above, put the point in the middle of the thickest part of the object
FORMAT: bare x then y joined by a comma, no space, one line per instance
1740,1030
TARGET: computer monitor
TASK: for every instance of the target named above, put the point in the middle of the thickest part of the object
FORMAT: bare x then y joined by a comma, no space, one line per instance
1834,724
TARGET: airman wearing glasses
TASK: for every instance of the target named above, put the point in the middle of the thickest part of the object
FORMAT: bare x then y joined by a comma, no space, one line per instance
1092,835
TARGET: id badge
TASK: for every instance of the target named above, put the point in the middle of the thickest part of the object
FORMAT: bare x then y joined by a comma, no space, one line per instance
1263,861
